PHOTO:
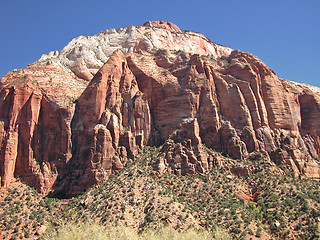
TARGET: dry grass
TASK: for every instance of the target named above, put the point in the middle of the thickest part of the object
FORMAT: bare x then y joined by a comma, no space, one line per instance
86,231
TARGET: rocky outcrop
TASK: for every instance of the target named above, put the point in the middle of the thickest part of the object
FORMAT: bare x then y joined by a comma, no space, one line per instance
111,115
183,153
163,86
163,24
35,124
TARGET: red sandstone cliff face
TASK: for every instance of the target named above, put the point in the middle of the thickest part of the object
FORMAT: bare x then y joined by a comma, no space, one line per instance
35,115
112,119
186,102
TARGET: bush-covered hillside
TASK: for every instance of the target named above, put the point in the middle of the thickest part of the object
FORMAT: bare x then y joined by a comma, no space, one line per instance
266,203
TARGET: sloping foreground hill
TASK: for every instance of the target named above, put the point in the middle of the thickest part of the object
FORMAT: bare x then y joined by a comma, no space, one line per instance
265,203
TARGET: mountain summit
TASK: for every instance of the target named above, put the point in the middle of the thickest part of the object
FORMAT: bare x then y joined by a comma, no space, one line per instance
86,55
74,117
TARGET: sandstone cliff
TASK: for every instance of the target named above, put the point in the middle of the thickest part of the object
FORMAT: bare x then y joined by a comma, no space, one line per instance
36,109
72,118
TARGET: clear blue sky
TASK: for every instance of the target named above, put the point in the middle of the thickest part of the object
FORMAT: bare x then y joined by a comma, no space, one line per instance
284,34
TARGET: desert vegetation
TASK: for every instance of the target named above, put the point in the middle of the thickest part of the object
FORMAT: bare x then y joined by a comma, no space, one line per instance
138,202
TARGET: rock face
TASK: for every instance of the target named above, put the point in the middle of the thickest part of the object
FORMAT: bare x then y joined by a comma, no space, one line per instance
35,114
150,85
112,119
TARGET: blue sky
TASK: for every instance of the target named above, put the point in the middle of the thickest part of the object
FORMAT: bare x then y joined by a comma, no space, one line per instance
284,34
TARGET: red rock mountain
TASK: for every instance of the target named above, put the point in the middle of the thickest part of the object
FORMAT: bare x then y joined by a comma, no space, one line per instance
73,117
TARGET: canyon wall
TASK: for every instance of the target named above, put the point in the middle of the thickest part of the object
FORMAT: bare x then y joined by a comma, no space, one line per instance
66,125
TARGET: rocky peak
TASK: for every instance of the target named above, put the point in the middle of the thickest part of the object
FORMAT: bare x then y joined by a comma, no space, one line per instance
163,24
85,55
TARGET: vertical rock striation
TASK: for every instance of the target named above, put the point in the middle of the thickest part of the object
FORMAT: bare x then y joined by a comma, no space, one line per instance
111,114
35,125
